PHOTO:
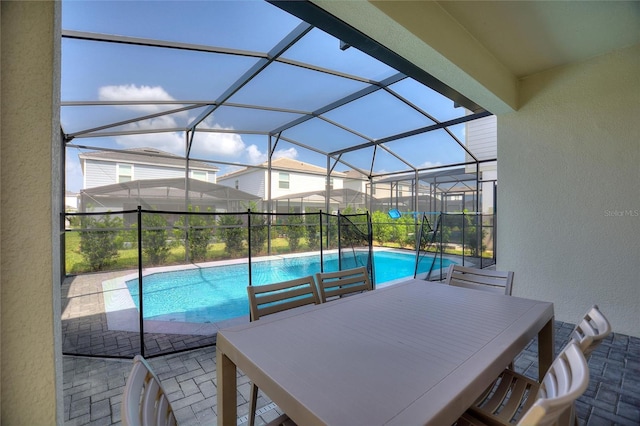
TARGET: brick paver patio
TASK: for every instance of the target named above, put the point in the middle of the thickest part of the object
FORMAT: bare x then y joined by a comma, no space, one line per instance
93,386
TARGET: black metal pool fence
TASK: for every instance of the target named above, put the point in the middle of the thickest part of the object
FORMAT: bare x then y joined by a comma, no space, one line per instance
134,240
101,319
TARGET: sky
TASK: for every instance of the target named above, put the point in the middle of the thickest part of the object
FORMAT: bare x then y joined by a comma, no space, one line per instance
116,72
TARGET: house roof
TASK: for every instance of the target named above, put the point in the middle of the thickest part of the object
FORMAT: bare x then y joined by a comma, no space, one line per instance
283,163
146,156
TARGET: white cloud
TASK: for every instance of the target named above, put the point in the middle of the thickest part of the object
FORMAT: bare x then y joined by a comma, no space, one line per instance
228,145
286,153
131,92
212,145
173,142
255,156
427,164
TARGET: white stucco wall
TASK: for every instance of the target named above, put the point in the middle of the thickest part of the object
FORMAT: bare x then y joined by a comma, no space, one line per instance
252,182
30,176
569,193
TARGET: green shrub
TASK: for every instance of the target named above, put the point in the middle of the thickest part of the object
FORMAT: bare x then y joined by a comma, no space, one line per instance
382,227
259,230
154,238
98,243
312,229
295,230
199,230
232,232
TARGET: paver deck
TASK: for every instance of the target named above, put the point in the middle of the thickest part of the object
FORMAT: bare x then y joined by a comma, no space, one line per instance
93,386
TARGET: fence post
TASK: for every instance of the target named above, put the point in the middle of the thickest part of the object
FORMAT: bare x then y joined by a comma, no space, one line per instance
140,298
464,220
321,249
371,268
249,241
441,227
339,243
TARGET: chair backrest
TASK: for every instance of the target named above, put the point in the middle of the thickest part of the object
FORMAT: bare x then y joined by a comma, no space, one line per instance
333,285
271,298
480,279
566,381
144,402
595,325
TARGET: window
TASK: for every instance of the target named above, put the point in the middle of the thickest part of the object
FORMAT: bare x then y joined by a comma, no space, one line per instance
125,172
283,181
199,175
237,185
331,183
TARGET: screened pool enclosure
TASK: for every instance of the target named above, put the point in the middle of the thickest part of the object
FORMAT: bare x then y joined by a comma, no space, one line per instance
252,111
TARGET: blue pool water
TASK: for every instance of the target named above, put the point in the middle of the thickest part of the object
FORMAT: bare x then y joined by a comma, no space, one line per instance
218,293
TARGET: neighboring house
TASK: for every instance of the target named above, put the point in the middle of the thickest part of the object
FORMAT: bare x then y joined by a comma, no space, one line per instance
357,181
101,168
482,140
288,178
381,193
153,179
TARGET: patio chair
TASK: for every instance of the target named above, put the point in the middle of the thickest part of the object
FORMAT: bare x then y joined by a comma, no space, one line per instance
144,401
480,279
593,324
273,298
517,399
588,334
333,285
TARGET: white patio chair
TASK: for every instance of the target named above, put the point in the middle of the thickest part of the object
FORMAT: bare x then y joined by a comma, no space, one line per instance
517,399
593,324
480,279
144,402
272,298
333,285
588,334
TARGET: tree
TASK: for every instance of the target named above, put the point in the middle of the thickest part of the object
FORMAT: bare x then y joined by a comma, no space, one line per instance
232,232
154,238
295,230
98,243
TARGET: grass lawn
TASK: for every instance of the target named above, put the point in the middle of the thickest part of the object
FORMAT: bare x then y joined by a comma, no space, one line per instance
75,262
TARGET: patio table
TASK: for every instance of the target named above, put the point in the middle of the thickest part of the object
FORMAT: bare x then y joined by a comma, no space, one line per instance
408,354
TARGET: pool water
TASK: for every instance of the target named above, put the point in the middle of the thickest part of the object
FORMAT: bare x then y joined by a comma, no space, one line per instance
218,293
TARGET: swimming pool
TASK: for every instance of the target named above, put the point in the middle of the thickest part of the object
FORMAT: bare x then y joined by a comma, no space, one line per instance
218,293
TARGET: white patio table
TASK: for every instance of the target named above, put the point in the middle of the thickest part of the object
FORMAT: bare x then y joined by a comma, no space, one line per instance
409,354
